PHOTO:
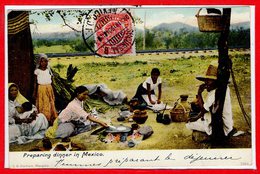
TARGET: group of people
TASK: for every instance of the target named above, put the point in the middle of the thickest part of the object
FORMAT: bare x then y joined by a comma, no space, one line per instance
28,122
35,122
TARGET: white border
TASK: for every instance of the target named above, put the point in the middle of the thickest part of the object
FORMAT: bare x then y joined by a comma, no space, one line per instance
253,114
6,145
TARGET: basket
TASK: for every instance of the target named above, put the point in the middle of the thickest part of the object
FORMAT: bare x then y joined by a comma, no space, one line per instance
179,114
210,23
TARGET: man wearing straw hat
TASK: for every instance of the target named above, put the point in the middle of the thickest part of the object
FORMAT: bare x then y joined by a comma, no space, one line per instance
202,122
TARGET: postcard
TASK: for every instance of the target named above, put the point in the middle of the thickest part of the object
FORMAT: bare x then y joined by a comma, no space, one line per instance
130,87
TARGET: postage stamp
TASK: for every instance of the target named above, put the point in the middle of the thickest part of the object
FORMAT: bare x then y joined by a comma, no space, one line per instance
113,32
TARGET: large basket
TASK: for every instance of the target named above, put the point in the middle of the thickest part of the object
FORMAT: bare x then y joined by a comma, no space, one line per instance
210,23
179,114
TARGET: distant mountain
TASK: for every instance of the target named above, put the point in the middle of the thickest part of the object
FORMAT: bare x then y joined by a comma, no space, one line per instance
56,35
244,25
178,26
175,27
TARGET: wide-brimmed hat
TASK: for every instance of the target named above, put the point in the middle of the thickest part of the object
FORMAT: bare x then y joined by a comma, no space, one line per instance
211,74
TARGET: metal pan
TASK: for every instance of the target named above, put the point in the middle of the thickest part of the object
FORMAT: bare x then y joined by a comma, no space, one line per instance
118,129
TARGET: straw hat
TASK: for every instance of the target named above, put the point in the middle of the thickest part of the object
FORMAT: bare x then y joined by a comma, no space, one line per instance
211,73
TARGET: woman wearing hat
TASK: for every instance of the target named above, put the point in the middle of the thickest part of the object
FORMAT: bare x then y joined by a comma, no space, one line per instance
203,121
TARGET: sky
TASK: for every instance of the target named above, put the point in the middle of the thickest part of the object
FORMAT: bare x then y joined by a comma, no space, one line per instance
154,16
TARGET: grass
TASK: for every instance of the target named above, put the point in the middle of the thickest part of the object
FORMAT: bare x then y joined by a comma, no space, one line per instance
178,72
53,49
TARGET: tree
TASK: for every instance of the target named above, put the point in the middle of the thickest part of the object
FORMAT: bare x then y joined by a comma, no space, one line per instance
20,52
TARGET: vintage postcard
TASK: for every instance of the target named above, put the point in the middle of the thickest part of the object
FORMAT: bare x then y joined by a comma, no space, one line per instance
130,87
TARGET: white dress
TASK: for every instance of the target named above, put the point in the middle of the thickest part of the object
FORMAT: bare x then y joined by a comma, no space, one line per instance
25,132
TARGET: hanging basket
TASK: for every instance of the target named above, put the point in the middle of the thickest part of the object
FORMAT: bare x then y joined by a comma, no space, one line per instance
210,23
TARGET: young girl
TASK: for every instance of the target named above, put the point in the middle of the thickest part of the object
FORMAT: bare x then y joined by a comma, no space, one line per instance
145,91
43,91
73,119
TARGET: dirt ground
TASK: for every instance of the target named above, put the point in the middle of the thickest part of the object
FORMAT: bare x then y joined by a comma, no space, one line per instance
165,137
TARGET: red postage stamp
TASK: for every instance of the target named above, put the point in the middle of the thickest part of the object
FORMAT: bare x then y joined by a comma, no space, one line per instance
114,34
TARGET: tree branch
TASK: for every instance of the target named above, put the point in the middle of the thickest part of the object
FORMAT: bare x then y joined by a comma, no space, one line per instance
65,22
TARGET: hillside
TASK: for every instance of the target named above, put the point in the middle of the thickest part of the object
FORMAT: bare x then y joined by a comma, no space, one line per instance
174,27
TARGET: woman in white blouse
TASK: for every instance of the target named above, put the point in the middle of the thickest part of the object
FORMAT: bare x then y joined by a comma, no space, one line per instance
73,119
145,91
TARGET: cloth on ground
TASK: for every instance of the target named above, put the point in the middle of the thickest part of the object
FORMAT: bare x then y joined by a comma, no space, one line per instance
109,96
156,107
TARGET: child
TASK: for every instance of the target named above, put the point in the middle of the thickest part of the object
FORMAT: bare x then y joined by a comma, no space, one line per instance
43,91
26,111
28,124
145,91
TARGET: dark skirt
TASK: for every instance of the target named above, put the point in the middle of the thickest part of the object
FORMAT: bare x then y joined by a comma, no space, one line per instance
141,91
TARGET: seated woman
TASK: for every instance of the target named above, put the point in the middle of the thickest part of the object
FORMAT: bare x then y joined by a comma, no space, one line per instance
25,123
145,93
73,119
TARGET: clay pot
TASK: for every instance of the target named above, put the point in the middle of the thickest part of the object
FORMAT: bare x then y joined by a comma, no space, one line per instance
139,116
166,119
140,120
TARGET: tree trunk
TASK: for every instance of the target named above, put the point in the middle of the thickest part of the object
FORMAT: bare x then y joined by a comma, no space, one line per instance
224,69
20,52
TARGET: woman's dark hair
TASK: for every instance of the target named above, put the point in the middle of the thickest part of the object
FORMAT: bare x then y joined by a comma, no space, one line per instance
155,71
79,90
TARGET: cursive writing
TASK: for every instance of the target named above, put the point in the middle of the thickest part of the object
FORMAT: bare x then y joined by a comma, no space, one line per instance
196,157
126,160
63,163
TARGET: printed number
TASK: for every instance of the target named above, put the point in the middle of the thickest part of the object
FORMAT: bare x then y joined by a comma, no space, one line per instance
245,164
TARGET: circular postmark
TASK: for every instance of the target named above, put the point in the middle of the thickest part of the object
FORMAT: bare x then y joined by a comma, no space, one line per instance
109,32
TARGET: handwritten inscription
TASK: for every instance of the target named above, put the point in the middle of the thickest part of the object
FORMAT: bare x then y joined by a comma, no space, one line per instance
62,163
101,160
196,157
121,162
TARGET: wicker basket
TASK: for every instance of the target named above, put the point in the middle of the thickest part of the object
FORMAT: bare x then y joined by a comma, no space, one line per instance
210,23
179,114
